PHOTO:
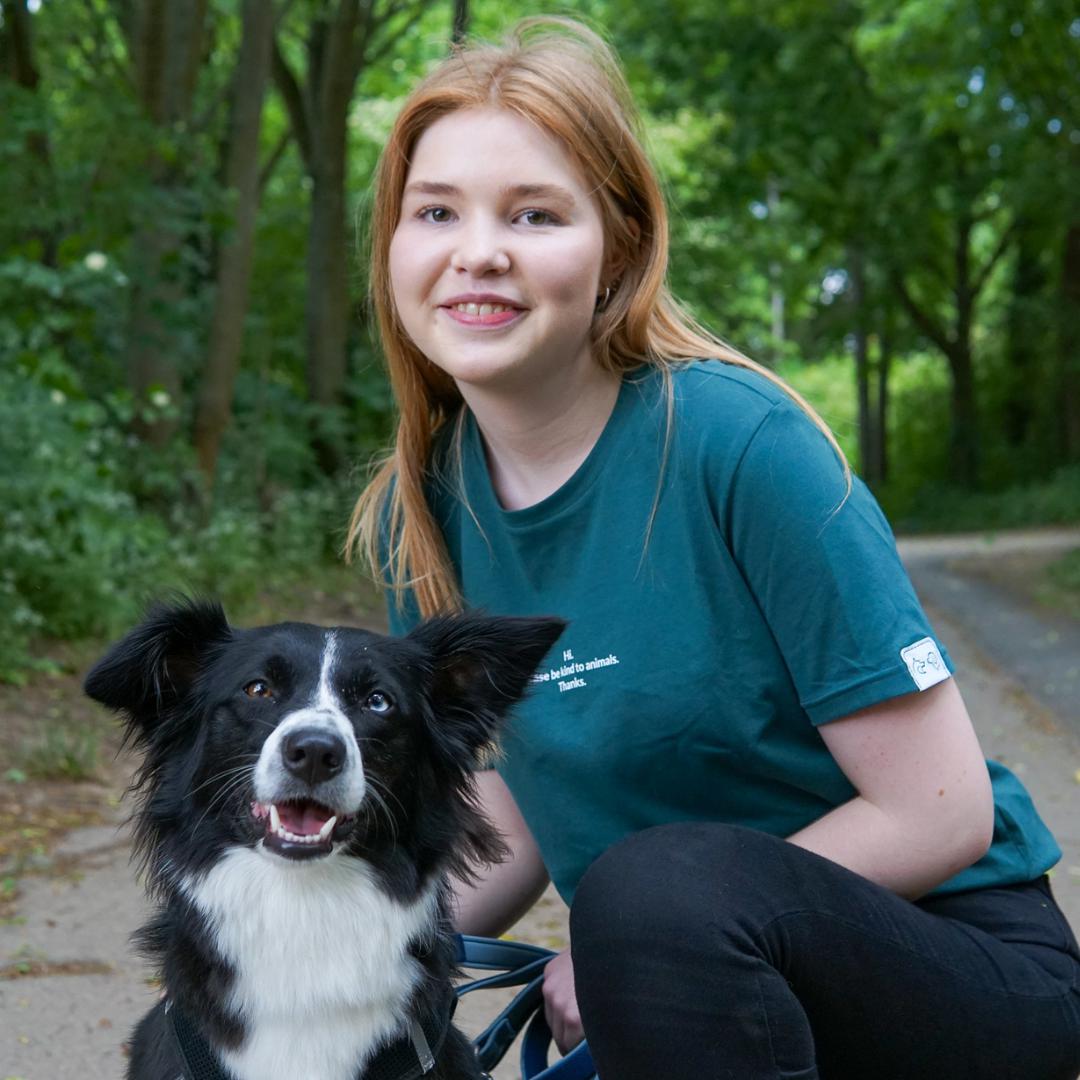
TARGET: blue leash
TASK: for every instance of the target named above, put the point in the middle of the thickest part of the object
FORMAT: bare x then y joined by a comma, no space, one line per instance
518,964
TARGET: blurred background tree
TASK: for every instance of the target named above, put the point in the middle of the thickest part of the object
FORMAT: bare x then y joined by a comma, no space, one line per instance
880,199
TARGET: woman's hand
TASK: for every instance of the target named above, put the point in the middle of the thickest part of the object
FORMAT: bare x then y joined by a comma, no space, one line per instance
560,1002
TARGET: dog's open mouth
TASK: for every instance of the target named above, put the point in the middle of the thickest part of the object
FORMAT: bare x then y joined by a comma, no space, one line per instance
301,828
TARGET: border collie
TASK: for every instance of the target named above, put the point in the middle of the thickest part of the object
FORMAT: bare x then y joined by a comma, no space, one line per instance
304,794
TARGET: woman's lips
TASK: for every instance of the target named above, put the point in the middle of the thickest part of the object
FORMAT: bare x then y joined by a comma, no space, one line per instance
482,314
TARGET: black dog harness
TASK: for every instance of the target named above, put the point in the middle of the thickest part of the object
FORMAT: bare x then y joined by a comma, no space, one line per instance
408,1058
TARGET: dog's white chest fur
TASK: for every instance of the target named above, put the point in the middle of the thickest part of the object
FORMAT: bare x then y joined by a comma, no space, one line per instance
321,959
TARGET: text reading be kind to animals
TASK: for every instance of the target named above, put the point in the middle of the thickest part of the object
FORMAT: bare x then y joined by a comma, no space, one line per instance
568,676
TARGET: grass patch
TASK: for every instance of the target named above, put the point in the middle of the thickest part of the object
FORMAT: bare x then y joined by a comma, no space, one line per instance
63,751
1060,585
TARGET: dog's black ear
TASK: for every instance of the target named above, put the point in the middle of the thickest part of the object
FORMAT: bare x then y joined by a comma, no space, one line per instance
154,666
482,667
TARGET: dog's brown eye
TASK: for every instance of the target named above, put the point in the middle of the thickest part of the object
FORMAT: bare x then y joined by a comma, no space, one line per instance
378,702
258,688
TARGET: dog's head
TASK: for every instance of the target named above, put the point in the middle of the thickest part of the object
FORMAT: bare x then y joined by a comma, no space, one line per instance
304,741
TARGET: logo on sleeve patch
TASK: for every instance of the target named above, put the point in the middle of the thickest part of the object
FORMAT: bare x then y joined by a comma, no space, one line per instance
924,662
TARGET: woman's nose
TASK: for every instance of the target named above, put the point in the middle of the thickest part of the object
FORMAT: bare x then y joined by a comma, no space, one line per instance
480,250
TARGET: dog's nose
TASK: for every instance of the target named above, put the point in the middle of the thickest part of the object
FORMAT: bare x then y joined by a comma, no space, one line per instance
313,754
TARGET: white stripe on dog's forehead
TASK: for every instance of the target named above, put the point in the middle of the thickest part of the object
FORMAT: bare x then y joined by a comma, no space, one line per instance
325,698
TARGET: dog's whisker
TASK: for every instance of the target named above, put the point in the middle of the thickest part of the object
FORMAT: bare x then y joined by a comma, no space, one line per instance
224,773
227,790
381,804
381,787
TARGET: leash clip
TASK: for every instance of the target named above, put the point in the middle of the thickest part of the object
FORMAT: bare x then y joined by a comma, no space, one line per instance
420,1045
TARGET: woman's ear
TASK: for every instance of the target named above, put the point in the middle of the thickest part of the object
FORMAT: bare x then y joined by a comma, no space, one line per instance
620,255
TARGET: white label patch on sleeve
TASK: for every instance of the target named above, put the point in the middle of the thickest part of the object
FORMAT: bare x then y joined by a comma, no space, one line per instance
924,662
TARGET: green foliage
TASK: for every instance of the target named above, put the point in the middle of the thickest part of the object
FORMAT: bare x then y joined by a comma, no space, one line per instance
1055,501
80,555
914,498
790,136
829,386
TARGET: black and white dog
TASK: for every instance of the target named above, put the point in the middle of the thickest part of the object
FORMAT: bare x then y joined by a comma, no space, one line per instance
303,796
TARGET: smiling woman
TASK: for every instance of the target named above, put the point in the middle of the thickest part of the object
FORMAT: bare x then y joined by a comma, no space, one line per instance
496,262
748,768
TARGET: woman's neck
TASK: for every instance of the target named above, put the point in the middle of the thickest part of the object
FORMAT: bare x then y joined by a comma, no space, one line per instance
535,442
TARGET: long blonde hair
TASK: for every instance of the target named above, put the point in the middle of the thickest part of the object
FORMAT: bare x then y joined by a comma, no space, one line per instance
563,77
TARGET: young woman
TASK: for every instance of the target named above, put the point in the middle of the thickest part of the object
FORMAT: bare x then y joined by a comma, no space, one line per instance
746,764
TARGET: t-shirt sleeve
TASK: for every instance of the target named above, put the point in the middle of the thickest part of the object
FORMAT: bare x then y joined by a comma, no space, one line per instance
824,569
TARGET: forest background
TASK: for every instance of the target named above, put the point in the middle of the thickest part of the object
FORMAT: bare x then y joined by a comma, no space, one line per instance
879,198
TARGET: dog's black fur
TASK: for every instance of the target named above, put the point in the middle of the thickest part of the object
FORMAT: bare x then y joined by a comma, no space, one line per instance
203,699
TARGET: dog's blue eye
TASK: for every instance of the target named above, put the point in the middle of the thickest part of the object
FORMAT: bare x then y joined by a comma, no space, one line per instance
258,688
378,702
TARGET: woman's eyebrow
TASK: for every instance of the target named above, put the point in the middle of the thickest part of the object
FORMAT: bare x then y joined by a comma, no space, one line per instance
540,191
518,191
430,187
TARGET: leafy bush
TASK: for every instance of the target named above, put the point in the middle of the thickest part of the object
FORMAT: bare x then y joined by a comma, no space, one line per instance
1055,501
80,554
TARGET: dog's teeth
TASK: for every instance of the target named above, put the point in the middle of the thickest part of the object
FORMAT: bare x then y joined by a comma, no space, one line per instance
279,830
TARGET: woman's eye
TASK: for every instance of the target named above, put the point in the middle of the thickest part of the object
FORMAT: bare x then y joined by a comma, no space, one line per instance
537,217
437,214
258,688
378,702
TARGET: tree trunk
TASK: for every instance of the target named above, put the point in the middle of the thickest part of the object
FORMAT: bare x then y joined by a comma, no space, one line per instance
1069,348
862,364
234,267
776,297
166,46
885,348
327,295
337,56
339,45
23,70
964,430
1025,334
461,21
965,425
956,345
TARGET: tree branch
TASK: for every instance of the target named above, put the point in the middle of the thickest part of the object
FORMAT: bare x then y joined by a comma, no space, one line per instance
289,88
919,317
1002,246
271,163
216,102
363,39
388,45
461,21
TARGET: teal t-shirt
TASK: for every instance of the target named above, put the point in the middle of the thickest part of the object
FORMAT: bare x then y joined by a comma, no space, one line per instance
724,599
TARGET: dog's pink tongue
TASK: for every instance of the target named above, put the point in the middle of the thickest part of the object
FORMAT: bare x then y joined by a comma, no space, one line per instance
303,819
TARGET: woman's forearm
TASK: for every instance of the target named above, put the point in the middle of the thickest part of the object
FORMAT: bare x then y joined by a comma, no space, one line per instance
500,894
924,808
905,854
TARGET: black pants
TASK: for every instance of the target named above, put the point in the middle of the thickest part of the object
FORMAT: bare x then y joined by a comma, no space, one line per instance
705,951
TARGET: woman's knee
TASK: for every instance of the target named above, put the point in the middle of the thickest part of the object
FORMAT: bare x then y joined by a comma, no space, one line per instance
662,880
